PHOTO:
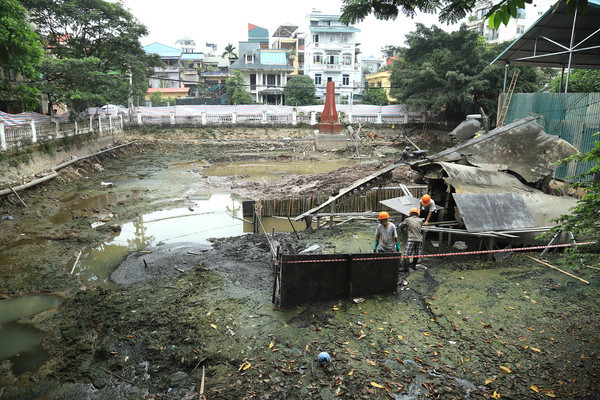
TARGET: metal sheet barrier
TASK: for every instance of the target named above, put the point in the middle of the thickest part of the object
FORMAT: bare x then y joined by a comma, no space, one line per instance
312,278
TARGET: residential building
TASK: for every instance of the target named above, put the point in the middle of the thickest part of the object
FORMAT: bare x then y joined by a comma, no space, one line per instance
330,55
169,94
187,45
170,75
516,26
259,35
381,79
265,71
369,65
287,37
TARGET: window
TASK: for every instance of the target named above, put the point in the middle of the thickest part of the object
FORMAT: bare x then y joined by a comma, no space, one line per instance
326,23
316,39
318,79
346,59
520,13
481,13
345,80
331,59
318,59
345,38
333,38
249,58
520,29
492,35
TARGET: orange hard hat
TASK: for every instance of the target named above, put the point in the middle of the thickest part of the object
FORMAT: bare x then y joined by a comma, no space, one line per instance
414,210
425,199
383,215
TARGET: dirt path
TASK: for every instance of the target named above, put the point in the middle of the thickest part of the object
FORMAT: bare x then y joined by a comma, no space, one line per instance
463,328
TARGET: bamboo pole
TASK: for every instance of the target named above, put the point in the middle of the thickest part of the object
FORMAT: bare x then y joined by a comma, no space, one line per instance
558,269
76,261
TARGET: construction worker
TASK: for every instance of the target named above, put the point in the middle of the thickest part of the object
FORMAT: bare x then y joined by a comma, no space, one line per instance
426,207
386,235
414,242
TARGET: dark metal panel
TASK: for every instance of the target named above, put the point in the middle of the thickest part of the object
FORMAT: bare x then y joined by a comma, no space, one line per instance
493,211
369,277
347,275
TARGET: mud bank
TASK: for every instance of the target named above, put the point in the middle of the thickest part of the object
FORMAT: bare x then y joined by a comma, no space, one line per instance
462,328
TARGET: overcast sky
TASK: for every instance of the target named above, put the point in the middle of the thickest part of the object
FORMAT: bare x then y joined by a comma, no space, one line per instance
224,22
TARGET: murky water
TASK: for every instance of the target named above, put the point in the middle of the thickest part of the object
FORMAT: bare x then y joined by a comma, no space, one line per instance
21,343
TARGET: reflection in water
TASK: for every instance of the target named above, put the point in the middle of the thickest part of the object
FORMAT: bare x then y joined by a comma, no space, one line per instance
218,216
22,343
72,203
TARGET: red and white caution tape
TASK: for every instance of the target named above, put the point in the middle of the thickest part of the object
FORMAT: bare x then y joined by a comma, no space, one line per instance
398,257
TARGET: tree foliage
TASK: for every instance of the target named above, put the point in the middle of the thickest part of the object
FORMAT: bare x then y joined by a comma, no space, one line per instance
449,73
375,96
95,37
300,91
229,51
584,218
449,11
580,81
236,90
20,52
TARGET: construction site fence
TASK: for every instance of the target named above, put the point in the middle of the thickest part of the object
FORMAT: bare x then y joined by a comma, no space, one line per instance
364,202
574,117
43,130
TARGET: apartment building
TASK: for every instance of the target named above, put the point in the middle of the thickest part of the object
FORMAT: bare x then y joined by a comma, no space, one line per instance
288,37
516,26
330,55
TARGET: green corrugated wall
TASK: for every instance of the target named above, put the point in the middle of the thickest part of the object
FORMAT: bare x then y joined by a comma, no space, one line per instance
574,117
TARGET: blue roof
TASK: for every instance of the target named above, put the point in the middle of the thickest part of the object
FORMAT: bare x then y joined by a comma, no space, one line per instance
192,56
162,50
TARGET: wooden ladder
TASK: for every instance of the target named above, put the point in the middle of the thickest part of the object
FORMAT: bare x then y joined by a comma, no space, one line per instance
507,98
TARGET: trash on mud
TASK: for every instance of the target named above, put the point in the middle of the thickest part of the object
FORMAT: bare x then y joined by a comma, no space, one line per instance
460,245
97,224
310,248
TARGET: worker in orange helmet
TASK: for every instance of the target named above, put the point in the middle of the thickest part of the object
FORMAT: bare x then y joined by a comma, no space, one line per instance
414,242
426,208
386,235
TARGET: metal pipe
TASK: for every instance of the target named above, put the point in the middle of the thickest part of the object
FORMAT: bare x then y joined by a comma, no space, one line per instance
571,50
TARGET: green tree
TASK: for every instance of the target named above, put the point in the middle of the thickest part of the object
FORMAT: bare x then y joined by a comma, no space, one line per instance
101,32
449,11
20,53
449,73
157,100
300,91
236,90
584,218
580,81
375,96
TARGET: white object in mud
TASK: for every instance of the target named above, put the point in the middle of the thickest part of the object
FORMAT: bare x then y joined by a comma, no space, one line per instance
311,248
460,245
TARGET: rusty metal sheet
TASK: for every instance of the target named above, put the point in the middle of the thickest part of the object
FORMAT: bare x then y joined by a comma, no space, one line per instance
493,212
521,147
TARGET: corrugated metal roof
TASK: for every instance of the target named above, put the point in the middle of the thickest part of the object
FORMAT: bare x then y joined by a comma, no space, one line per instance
547,41
162,50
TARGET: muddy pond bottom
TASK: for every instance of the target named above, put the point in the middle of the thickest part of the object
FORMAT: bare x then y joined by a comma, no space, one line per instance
216,216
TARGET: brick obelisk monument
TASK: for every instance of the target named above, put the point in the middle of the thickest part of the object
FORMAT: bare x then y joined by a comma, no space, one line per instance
329,136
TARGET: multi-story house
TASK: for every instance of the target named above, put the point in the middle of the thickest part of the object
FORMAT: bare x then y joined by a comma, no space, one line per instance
265,71
516,26
170,75
381,79
287,37
330,55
